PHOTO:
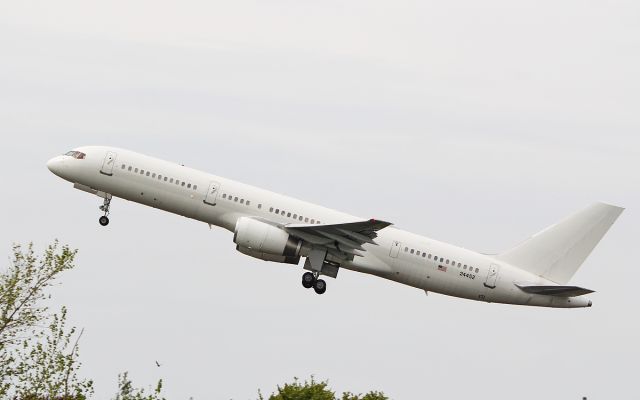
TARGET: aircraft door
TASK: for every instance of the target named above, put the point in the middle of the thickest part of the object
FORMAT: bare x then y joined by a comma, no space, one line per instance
212,194
492,276
108,163
395,249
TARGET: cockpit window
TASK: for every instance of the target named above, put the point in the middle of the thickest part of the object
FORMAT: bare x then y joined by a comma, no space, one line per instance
76,154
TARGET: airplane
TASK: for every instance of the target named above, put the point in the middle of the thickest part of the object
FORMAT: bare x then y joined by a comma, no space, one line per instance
277,228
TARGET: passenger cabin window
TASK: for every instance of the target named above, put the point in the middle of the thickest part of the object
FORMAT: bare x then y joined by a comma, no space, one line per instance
248,202
123,166
130,167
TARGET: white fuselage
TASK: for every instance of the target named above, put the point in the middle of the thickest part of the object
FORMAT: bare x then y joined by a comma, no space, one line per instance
398,255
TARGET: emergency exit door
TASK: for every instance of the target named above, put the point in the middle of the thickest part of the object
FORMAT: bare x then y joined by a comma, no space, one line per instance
212,194
395,249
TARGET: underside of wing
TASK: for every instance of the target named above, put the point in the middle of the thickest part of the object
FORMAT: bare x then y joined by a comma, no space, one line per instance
342,240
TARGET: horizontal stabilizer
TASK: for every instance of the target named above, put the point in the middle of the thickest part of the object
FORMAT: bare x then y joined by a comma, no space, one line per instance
560,291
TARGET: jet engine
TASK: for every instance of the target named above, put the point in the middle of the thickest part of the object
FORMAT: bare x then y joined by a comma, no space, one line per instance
266,242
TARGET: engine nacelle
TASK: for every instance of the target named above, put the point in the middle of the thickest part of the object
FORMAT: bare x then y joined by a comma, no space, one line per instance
269,257
266,242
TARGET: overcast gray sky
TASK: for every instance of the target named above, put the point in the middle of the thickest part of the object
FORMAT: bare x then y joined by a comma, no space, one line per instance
476,123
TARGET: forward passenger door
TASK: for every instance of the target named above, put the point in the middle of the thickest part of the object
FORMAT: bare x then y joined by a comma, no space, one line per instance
108,163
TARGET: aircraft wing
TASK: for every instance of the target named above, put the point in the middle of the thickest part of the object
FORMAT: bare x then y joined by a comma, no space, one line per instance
342,240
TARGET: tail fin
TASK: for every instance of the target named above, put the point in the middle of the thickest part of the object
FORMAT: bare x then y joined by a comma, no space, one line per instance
557,252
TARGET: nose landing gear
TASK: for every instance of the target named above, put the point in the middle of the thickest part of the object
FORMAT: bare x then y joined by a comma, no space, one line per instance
310,280
105,207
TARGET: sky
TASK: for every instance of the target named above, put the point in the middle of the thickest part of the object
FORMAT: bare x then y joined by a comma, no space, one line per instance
475,123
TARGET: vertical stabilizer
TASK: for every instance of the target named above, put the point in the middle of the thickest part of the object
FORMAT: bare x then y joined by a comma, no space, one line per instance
557,252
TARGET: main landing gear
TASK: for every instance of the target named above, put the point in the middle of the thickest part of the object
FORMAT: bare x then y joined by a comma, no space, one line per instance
105,207
310,280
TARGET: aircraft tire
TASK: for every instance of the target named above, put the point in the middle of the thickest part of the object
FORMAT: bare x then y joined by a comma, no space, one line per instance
308,280
104,220
320,286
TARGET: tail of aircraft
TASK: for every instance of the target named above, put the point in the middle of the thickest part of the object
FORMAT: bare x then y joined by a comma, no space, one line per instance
557,252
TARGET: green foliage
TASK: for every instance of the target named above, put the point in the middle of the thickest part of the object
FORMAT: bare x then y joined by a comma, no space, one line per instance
37,357
126,390
314,390
310,390
374,395
48,366
22,288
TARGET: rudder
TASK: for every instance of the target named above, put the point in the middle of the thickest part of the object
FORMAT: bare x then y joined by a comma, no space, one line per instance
557,252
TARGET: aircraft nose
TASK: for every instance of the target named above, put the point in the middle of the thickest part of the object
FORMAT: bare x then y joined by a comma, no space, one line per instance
56,165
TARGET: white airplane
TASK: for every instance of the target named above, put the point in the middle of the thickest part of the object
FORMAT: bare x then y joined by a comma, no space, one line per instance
277,228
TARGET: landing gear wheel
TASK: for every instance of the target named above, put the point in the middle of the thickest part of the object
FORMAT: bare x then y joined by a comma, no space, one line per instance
320,286
106,205
308,280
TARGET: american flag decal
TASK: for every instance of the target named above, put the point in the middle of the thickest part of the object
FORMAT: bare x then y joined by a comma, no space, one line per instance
442,268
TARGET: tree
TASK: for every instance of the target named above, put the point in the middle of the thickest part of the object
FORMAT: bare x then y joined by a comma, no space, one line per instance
38,353
314,390
310,390
126,390
373,395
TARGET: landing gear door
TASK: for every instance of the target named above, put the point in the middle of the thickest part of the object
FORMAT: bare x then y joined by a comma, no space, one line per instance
212,194
107,164
395,249
492,276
